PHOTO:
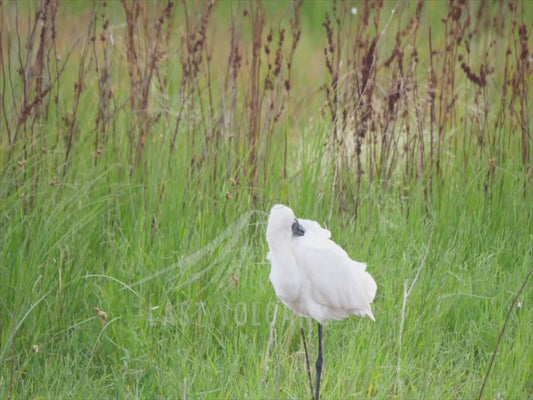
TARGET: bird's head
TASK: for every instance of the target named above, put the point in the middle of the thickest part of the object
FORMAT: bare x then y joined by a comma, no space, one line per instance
283,223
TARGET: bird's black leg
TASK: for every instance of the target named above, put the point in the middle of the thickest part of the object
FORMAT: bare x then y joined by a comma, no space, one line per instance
320,359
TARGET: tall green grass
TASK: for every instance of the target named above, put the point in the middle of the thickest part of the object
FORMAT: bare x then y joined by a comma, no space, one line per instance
154,212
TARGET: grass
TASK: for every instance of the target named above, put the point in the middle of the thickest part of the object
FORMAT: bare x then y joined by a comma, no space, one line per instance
153,209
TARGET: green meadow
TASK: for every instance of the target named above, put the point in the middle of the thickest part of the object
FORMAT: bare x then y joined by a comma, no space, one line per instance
142,145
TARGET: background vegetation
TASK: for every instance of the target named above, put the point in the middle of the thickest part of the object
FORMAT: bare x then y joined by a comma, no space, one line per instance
142,145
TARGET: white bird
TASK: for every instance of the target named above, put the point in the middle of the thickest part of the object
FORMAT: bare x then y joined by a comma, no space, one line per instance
314,276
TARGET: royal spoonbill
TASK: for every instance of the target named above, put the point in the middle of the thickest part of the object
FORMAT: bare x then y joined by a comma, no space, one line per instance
314,276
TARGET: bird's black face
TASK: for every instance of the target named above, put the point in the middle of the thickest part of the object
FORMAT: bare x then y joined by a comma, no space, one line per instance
297,229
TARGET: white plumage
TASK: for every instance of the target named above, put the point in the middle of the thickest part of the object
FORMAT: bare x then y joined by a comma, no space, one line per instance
313,275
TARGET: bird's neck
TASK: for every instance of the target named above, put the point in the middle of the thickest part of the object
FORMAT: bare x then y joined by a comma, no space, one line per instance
279,242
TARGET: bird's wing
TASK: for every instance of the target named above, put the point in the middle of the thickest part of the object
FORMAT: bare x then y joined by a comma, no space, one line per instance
335,279
315,228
